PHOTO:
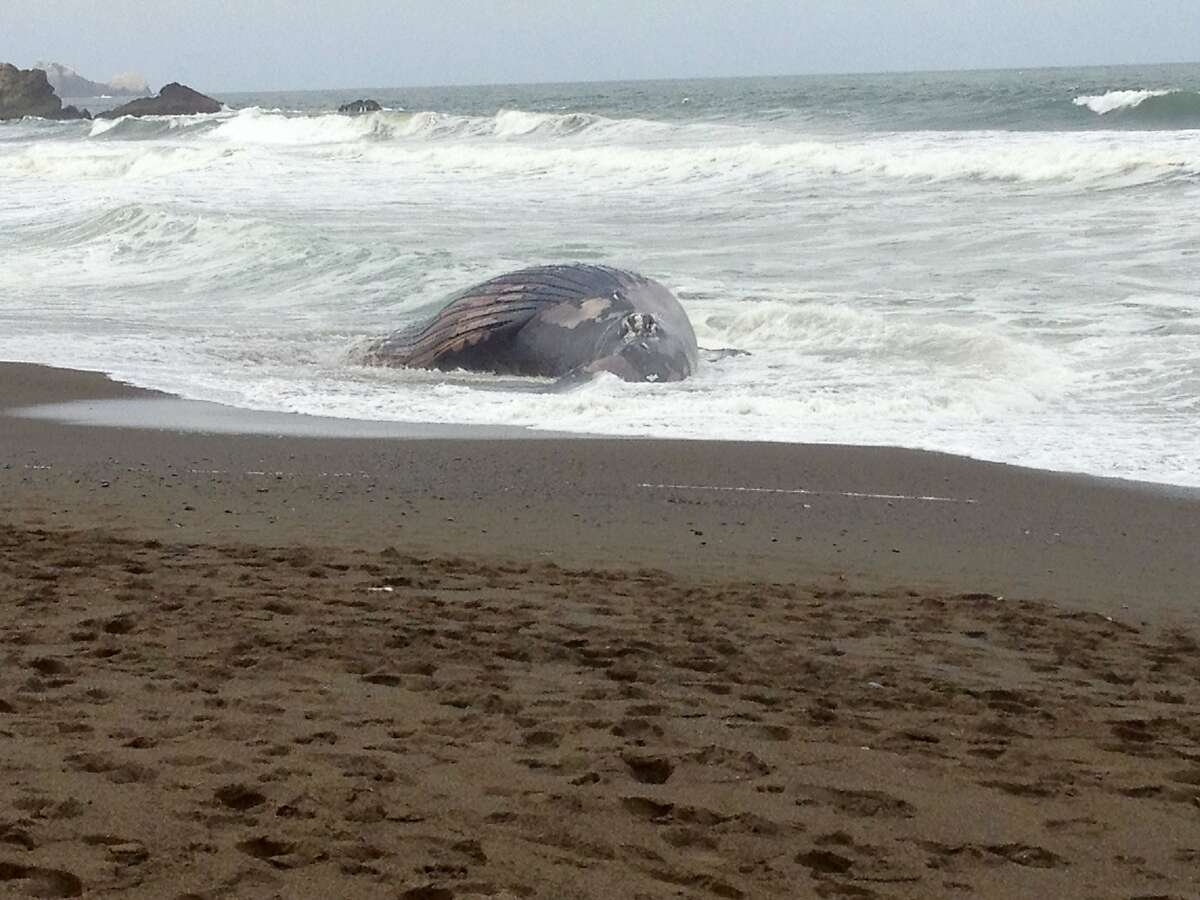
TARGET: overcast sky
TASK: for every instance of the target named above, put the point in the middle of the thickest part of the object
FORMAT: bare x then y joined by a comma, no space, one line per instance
230,45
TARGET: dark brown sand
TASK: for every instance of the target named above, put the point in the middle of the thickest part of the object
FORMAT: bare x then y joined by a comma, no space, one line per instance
246,666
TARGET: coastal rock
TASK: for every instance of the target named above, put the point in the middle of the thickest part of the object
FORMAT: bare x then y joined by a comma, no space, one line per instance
27,92
173,100
359,107
69,83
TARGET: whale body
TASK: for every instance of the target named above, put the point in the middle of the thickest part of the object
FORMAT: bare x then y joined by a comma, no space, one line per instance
558,321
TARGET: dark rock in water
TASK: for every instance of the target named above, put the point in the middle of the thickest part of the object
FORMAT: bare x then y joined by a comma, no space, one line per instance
27,92
358,107
173,100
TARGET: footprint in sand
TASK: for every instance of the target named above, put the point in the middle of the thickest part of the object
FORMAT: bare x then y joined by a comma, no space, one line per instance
1017,853
34,881
865,804
648,769
115,770
277,853
239,797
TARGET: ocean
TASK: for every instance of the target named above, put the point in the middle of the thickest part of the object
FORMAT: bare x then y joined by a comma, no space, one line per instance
1002,264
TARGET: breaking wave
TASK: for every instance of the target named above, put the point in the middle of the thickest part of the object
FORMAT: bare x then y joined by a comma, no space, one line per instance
256,126
1161,108
1102,104
277,127
584,148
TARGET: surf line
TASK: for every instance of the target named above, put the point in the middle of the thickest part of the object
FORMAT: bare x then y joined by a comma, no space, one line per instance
804,492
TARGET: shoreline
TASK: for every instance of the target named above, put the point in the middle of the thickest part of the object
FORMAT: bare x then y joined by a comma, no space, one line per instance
202,417
773,512
107,402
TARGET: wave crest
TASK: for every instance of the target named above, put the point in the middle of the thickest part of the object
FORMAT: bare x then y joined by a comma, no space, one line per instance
1168,108
1102,104
257,126
517,122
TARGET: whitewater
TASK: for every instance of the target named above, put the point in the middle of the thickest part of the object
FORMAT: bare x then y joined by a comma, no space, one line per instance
1003,265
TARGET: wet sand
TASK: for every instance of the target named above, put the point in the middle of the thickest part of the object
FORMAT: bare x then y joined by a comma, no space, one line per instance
247,666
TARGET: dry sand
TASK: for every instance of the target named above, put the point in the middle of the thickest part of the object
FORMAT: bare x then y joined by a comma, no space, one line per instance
245,666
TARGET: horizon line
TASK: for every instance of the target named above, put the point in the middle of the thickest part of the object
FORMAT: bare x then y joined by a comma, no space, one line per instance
664,79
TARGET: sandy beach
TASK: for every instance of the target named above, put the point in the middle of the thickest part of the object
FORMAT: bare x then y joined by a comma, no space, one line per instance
335,663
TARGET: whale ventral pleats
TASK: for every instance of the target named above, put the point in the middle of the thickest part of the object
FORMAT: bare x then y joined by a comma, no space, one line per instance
556,321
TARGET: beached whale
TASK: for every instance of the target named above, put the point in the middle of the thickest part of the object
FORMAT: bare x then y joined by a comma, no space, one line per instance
560,321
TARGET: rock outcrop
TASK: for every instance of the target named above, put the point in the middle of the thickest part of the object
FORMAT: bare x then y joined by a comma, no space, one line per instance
69,83
27,92
173,100
358,107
